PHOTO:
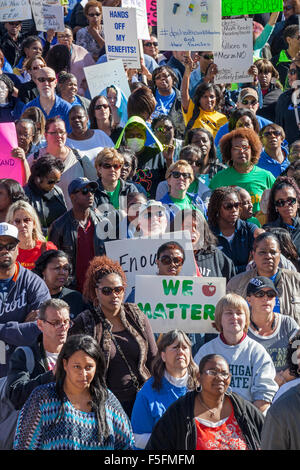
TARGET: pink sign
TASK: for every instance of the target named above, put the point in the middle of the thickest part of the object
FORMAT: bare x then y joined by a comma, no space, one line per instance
151,12
10,167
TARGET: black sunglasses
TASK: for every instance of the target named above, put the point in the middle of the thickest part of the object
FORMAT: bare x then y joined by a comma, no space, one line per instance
207,56
178,174
100,106
46,79
268,133
86,190
8,247
231,205
290,201
149,44
108,166
94,14
261,293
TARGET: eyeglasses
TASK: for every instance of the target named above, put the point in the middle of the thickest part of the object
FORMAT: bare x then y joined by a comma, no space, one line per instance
164,129
56,132
111,290
261,293
100,106
8,247
178,174
288,7
215,373
64,36
94,14
109,166
85,191
149,44
249,102
46,79
243,148
207,56
38,67
292,71
15,23
57,324
269,133
127,165
26,221
290,201
231,205
166,260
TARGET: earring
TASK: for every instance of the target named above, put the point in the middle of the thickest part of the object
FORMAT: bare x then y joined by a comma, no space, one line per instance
199,389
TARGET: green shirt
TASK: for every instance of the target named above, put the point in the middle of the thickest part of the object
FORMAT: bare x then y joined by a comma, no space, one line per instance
185,203
255,182
114,195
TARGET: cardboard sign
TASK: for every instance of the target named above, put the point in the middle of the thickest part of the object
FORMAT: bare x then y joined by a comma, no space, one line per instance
17,10
191,26
141,16
138,255
187,303
47,16
250,7
120,31
236,56
10,167
152,12
100,76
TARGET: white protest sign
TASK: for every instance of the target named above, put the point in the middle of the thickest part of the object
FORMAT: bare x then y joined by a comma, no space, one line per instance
141,16
236,56
138,255
187,303
189,26
120,31
48,15
100,76
15,10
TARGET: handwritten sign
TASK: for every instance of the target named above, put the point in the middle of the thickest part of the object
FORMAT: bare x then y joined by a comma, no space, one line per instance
100,76
236,56
152,12
47,16
10,167
16,10
120,30
189,29
138,255
250,7
187,303
141,16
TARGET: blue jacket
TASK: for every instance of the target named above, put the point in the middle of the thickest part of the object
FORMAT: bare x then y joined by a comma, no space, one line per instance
268,163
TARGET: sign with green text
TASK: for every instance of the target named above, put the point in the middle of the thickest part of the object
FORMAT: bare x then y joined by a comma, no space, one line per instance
183,302
250,7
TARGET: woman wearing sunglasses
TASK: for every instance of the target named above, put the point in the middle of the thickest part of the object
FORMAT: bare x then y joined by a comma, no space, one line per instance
91,36
210,417
122,330
283,209
235,236
101,117
269,328
274,157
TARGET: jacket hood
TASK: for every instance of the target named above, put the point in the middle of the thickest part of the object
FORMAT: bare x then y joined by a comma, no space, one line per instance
139,120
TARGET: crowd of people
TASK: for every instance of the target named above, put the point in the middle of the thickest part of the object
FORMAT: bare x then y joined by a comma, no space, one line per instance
80,365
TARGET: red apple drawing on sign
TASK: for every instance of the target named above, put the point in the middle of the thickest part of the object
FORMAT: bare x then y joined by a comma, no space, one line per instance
209,290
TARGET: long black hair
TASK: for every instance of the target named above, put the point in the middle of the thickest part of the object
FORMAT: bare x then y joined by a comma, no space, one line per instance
98,388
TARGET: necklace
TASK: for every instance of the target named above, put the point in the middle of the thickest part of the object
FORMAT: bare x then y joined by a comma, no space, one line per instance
211,412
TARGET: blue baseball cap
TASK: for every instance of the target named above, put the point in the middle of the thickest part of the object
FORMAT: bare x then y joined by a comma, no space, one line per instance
79,183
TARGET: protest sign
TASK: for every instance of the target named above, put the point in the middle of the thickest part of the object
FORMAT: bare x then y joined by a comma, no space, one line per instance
189,27
141,16
151,12
138,255
187,303
236,56
15,10
250,7
100,76
10,167
48,15
120,30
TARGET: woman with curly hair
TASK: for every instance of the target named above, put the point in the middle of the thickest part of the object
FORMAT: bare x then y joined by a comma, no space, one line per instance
122,330
283,208
235,236
241,150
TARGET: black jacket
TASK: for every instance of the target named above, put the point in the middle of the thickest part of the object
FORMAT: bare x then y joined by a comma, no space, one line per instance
177,117
19,383
270,99
12,49
285,116
215,264
294,232
28,91
49,206
176,429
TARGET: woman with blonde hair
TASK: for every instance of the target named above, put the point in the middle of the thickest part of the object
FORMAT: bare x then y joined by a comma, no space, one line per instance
32,242
179,176
252,369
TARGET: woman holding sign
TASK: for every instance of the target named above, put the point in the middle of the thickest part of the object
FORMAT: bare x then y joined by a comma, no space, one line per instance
123,331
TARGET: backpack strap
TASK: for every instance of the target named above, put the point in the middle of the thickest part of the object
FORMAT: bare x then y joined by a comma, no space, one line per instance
78,156
30,362
36,155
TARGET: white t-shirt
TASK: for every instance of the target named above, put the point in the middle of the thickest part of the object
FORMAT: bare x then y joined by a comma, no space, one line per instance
92,146
51,358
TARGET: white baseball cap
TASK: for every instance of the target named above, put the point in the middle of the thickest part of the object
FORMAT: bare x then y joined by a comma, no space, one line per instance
8,230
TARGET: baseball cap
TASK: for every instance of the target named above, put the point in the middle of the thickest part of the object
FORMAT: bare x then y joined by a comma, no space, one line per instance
8,230
260,282
79,183
247,92
151,203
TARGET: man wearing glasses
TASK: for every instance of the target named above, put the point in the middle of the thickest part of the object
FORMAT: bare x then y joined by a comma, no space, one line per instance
48,101
54,323
21,294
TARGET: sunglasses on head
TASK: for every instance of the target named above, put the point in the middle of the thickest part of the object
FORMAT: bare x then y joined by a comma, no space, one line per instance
261,293
46,79
109,290
100,106
290,201
231,205
85,191
178,174
149,44
108,166
8,246
166,260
